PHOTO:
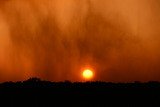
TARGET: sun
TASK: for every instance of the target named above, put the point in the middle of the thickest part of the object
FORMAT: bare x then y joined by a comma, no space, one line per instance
87,74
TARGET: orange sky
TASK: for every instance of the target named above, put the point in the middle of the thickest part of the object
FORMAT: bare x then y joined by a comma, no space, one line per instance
56,39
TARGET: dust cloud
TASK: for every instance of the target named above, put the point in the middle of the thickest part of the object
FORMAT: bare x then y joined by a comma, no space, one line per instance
55,39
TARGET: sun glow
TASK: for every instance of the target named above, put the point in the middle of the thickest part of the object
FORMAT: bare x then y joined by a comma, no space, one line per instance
88,74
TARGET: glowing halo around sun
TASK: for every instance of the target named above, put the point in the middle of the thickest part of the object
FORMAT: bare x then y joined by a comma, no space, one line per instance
87,74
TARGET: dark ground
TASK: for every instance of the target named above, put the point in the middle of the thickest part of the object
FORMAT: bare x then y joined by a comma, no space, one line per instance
35,93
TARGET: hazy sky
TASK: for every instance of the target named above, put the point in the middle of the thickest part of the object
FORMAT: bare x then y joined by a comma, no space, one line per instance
56,39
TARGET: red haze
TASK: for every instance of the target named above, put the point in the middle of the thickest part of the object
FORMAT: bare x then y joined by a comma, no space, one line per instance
54,39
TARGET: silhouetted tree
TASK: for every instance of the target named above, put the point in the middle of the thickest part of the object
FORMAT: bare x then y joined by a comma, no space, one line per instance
34,80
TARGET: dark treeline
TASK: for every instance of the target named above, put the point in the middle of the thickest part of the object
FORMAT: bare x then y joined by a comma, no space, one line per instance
35,92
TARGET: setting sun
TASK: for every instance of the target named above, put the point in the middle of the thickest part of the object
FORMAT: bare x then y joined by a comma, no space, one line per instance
88,74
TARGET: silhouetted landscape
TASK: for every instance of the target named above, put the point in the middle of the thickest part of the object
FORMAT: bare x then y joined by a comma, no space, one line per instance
35,92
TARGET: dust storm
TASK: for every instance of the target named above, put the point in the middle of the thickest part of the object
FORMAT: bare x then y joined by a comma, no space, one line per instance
55,39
